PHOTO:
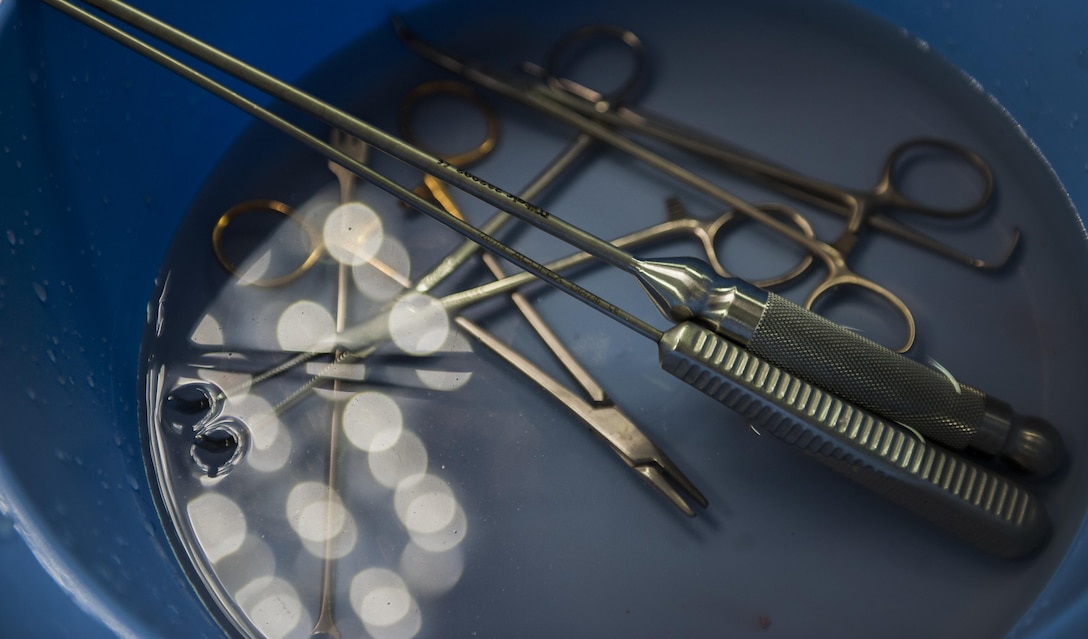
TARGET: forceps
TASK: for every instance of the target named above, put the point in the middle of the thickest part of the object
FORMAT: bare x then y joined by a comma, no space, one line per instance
596,119
858,206
600,414
722,327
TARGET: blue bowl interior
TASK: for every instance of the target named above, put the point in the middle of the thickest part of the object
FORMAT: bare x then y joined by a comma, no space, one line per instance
82,236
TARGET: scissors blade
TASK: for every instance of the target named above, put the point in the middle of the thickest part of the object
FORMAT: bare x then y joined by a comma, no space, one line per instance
625,439
641,454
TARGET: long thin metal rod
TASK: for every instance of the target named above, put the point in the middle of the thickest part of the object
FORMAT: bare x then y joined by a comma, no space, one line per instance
531,96
356,127
377,138
573,152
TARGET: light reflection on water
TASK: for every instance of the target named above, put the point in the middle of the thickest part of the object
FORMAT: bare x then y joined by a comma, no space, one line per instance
235,521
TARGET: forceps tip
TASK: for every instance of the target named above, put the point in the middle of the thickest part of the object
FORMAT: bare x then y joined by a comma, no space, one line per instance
1014,242
663,474
656,477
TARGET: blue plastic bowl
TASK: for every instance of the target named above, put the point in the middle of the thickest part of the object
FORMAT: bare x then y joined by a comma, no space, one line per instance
81,546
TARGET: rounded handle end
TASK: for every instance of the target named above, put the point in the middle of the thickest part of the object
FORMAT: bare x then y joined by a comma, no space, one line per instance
1033,446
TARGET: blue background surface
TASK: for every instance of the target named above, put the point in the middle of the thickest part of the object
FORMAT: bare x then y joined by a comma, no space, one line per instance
93,581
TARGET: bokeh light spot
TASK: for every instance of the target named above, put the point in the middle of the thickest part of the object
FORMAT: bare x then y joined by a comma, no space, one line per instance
219,524
386,274
273,605
315,512
305,326
424,503
382,600
403,459
430,573
353,233
418,324
372,421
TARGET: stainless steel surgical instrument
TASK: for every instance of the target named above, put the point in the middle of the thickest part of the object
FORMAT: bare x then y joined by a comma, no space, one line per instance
851,441
600,414
859,206
825,354
841,362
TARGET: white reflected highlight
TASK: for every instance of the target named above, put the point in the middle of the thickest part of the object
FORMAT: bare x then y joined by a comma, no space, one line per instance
219,524
386,274
448,380
305,326
418,324
255,268
445,539
424,503
372,421
403,459
386,607
320,520
252,561
272,604
428,573
339,545
353,233
315,512
208,332
269,442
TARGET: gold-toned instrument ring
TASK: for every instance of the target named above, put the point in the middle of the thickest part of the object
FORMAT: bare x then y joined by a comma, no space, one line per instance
256,206
457,89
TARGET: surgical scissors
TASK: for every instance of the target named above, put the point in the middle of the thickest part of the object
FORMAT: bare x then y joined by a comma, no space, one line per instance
600,414
596,118
858,206
251,207
722,326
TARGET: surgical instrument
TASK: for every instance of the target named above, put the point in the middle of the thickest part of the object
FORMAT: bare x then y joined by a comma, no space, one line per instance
858,206
806,344
686,346
802,343
601,415
537,96
353,147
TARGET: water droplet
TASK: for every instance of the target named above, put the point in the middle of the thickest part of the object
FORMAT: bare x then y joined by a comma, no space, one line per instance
90,381
33,76
39,290
52,356
133,483
11,237
31,393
